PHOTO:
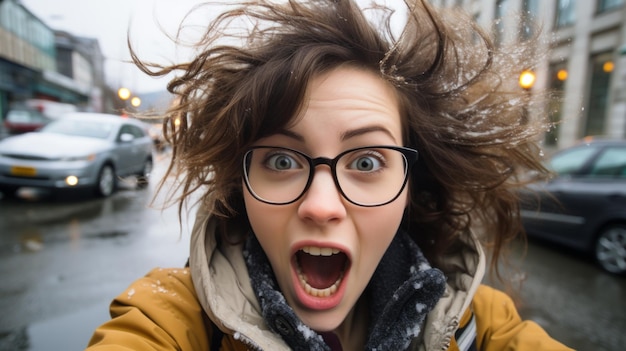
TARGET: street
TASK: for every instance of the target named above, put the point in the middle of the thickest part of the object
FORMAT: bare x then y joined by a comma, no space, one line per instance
61,263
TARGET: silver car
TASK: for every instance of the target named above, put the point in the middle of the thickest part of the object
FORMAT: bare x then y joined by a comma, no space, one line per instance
79,150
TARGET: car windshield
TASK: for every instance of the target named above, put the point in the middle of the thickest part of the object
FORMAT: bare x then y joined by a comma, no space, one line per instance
86,128
573,160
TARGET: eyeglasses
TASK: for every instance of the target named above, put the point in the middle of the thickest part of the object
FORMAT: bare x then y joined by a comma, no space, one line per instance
366,176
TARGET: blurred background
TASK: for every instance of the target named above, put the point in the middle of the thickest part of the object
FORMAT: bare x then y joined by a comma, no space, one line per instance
64,256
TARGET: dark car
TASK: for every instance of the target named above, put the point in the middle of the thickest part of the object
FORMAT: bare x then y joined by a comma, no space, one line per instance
79,150
584,205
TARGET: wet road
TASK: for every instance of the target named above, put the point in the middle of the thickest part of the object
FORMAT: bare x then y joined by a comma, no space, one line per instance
567,294
62,262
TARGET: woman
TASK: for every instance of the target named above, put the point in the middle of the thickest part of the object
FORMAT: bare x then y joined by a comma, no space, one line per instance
343,174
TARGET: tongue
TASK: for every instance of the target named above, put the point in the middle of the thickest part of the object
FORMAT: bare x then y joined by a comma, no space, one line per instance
321,271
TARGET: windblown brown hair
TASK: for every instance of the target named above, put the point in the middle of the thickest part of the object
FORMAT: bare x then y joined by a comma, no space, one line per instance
460,104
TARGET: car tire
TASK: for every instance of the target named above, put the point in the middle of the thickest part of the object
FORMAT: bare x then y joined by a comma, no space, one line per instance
610,249
143,178
107,181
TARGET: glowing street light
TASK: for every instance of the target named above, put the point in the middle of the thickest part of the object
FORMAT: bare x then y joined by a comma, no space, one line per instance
135,101
527,79
123,93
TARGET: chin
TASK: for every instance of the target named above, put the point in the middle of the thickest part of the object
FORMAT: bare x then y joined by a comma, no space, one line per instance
325,321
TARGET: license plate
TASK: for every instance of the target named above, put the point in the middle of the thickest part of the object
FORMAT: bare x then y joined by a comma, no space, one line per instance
23,171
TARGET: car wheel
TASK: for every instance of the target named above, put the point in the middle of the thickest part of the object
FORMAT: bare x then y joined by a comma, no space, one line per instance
611,249
143,178
107,181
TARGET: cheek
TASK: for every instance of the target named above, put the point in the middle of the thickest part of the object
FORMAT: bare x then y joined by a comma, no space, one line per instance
268,223
258,215
378,229
388,217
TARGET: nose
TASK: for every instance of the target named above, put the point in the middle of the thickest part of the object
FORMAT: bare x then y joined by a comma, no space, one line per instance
322,202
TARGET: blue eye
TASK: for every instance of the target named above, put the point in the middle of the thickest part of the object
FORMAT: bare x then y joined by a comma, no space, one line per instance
280,162
366,164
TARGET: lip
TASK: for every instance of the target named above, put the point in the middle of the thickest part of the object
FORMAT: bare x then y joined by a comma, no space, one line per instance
314,302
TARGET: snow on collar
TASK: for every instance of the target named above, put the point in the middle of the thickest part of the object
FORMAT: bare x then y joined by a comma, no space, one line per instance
402,291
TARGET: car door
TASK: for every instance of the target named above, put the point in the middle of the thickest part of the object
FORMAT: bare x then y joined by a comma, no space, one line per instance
552,210
603,191
125,150
577,204
546,206
142,148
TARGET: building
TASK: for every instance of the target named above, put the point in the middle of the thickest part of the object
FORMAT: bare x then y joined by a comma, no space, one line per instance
82,60
585,64
38,63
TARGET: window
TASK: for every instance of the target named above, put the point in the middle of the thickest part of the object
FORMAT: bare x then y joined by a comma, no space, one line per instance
530,10
501,10
558,77
602,67
612,162
133,130
608,5
137,132
572,161
565,12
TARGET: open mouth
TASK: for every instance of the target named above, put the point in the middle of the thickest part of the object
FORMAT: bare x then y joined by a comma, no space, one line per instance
320,269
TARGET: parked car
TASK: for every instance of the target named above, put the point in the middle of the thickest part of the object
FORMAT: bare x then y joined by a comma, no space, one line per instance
24,120
31,115
78,150
584,205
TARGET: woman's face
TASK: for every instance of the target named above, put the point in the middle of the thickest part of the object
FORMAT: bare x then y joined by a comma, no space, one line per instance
322,241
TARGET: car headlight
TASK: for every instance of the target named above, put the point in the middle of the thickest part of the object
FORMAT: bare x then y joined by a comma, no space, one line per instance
87,158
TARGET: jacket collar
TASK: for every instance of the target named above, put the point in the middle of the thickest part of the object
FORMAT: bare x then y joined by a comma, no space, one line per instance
222,283
402,291
464,270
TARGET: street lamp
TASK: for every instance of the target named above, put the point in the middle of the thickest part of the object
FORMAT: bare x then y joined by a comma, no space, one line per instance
527,79
135,101
123,93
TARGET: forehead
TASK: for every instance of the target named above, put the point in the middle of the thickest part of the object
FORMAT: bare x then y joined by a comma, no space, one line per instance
354,96
345,107
348,82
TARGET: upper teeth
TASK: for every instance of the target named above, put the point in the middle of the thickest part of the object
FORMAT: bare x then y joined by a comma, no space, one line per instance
320,251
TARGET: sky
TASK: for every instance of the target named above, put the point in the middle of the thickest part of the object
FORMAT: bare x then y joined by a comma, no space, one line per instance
110,21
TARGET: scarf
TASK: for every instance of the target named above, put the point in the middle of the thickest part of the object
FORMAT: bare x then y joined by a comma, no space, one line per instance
402,291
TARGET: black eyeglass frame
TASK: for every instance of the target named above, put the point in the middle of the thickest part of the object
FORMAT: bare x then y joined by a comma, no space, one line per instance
410,157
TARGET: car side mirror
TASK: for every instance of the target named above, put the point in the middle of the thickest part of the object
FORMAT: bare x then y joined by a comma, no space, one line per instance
126,137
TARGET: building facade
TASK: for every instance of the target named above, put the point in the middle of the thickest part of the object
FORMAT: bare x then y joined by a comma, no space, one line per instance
37,62
586,62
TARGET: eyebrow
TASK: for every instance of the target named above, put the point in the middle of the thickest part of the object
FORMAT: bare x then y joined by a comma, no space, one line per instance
360,131
345,135
291,134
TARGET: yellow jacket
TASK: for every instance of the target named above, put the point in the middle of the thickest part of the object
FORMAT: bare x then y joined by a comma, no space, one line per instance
161,312
182,309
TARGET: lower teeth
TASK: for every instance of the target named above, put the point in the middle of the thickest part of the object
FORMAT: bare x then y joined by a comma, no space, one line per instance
319,292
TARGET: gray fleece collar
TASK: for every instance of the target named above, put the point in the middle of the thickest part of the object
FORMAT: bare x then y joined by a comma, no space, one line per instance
403,289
